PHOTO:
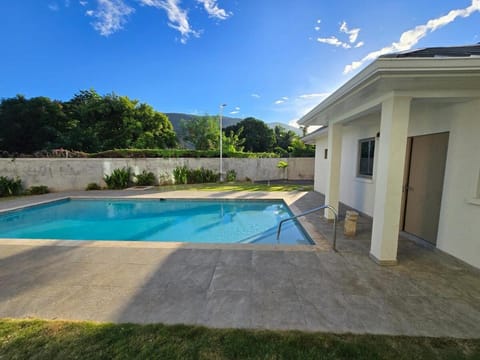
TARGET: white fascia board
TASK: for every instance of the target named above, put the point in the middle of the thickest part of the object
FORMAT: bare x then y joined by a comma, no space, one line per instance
313,136
398,67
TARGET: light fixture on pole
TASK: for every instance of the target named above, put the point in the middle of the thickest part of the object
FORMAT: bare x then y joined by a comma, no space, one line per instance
221,136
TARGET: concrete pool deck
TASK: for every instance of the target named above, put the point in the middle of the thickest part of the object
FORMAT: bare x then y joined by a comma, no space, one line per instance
428,293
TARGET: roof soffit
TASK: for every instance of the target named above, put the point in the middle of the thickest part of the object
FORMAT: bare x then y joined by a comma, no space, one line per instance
422,77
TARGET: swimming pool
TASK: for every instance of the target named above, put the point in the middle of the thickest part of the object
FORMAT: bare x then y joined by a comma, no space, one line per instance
165,220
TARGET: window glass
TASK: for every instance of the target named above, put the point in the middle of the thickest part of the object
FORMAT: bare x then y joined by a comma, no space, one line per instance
366,153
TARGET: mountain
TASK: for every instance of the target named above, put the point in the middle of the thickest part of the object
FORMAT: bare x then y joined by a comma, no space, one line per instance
176,120
287,127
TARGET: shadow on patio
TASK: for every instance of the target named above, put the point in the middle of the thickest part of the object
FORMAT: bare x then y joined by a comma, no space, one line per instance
428,293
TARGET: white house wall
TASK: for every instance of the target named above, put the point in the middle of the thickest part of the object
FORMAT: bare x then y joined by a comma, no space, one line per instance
459,228
359,193
356,192
321,165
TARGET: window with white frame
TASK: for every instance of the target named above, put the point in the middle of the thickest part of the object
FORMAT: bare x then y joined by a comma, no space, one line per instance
366,151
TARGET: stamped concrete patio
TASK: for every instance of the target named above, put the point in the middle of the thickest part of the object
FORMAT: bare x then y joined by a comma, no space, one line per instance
306,288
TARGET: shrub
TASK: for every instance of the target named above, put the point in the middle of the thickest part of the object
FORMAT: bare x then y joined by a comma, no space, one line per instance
146,178
282,164
38,190
183,175
231,175
176,153
93,186
180,175
119,179
10,187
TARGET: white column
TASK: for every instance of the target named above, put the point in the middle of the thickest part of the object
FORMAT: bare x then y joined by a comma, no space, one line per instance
389,178
332,192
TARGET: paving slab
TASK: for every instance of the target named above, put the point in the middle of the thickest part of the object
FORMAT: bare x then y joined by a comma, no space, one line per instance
269,287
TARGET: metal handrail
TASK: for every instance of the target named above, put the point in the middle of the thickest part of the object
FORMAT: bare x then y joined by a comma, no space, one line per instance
331,208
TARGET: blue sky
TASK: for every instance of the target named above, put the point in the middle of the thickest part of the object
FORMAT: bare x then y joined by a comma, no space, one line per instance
273,60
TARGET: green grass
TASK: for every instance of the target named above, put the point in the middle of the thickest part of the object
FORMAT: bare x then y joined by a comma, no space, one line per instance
36,339
238,186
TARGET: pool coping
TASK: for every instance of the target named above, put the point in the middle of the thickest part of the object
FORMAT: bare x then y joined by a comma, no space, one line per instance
287,197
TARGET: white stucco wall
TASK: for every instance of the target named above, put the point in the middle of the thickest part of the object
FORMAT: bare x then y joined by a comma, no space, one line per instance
459,229
355,191
321,164
74,174
359,193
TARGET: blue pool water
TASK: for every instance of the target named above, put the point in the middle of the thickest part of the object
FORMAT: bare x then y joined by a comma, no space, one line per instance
197,221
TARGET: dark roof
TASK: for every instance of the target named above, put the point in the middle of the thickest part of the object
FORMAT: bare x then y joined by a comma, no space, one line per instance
448,51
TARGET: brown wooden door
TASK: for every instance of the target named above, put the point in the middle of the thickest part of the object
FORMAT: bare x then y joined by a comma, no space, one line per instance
423,190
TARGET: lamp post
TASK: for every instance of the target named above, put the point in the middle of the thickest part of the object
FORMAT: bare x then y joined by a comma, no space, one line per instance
221,136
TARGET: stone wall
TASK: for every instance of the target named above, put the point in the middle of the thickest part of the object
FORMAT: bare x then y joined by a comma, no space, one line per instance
74,174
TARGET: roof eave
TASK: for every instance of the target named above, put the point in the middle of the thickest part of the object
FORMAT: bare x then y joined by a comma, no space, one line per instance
404,67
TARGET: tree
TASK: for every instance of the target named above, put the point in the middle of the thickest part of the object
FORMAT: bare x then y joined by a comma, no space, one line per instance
233,142
157,130
82,110
300,149
29,125
258,136
88,122
116,122
203,132
283,138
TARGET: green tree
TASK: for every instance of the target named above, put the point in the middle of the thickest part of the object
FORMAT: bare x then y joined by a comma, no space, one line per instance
299,149
29,125
203,132
257,135
283,138
233,142
113,122
157,130
82,110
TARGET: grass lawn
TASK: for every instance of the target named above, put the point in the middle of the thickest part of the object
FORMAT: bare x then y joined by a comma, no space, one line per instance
239,186
36,339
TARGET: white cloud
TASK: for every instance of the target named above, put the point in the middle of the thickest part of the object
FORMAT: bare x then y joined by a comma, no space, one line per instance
281,100
211,7
359,44
313,95
411,37
111,15
53,7
354,65
256,96
177,16
334,41
294,123
310,129
83,3
352,34
235,111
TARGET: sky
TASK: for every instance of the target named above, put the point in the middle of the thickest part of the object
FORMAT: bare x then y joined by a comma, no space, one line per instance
270,59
